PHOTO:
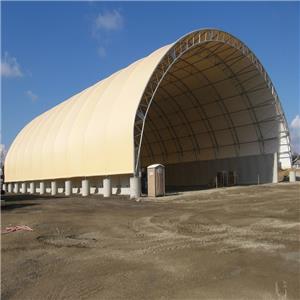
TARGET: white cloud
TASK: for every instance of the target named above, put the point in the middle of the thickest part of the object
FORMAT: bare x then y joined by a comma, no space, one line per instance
296,122
104,24
295,134
109,20
10,67
101,51
33,97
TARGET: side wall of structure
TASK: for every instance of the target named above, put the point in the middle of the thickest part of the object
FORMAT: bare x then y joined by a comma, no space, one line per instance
249,170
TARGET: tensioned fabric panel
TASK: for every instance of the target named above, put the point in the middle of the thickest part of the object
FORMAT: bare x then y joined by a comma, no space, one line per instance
89,134
200,111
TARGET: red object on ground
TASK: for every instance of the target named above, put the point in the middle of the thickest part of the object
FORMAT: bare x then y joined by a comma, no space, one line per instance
16,228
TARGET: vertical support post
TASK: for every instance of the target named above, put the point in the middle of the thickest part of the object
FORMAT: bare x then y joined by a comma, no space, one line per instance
53,188
31,188
42,188
9,187
4,187
275,168
258,179
135,187
16,188
85,188
292,176
68,188
107,189
216,181
23,188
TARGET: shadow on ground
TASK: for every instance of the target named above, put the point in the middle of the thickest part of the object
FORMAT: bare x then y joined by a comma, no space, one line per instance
11,206
20,197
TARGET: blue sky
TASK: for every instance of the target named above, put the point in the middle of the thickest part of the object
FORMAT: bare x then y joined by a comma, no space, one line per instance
52,50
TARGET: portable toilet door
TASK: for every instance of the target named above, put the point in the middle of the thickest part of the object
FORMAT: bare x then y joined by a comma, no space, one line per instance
156,180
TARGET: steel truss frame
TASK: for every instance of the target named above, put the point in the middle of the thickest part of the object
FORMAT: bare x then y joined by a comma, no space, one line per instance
192,40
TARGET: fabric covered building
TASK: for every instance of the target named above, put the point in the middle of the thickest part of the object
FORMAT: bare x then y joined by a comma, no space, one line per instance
198,106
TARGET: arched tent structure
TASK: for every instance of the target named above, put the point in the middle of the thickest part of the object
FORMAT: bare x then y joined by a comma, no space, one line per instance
202,104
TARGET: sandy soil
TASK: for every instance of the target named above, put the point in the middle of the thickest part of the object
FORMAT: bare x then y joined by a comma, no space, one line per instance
234,243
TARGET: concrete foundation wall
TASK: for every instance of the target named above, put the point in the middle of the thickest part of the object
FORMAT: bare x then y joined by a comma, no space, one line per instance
120,185
181,175
203,173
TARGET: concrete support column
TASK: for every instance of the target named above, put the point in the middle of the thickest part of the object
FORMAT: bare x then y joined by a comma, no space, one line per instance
42,188
31,188
292,176
23,188
85,187
107,189
135,187
4,187
68,188
16,188
275,168
53,188
9,187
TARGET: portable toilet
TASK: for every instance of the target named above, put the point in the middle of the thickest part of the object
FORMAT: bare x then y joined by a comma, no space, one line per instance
156,180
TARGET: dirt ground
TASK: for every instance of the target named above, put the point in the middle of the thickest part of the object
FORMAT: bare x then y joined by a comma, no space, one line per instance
233,243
